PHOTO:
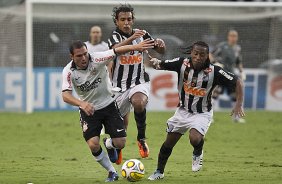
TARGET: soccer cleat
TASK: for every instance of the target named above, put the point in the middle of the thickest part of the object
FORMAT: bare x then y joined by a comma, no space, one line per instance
112,153
197,162
143,148
113,176
119,160
157,175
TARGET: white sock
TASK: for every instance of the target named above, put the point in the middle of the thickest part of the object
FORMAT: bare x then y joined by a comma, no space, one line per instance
104,161
109,143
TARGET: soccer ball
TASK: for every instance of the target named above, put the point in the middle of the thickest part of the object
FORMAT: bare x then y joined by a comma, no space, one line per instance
133,170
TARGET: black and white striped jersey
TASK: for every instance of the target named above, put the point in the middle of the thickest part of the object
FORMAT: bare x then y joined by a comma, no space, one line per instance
195,87
128,69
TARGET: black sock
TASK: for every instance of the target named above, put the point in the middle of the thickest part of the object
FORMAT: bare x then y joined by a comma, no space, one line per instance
198,148
164,154
140,118
98,152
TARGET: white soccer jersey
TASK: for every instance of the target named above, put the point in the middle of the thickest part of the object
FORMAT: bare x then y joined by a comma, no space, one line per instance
91,84
128,69
103,46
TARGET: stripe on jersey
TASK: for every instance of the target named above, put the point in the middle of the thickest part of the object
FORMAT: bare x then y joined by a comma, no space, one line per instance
137,81
129,77
191,97
120,74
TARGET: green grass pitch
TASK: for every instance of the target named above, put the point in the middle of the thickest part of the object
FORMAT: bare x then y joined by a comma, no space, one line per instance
47,147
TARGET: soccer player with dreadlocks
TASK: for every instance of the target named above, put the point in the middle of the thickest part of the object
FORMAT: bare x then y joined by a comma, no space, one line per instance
128,72
197,78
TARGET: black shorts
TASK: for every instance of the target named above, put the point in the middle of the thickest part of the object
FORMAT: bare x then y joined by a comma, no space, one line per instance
108,116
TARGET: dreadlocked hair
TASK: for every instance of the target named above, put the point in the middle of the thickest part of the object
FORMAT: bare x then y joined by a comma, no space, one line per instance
188,50
122,8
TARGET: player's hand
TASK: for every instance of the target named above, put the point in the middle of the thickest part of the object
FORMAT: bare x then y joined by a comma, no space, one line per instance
156,63
137,34
159,43
238,111
88,108
146,44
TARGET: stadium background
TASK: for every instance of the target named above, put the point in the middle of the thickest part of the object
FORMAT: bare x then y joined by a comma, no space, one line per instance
56,24
47,147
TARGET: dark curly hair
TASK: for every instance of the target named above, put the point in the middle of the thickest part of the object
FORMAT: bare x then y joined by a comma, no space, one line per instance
122,8
187,50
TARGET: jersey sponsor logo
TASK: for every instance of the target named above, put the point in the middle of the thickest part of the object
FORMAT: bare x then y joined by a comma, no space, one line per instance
194,90
226,75
130,59
173,60
101,59
87,86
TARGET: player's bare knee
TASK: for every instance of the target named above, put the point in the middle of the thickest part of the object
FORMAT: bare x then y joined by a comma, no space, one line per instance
119,142
195,137
93,145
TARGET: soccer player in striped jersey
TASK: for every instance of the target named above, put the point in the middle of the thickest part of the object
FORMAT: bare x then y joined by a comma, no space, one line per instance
128,71
197,78
87,74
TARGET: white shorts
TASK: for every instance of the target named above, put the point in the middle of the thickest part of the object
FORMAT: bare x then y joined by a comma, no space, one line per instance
182,121
123,101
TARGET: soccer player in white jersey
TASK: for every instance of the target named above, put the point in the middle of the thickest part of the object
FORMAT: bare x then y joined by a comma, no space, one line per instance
87,74
128,71
95,43
197,78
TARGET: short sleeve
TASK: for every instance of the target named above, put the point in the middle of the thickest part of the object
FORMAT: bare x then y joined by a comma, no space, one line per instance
114,39
225,78
67,82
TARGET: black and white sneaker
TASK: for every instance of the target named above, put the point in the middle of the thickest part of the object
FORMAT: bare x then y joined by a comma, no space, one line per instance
157,175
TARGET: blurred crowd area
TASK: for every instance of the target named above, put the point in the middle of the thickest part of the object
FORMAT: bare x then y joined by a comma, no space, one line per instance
260,38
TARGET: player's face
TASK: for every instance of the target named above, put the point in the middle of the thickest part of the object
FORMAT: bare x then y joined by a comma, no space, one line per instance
199,56
95,34
232,37
80,57
125,22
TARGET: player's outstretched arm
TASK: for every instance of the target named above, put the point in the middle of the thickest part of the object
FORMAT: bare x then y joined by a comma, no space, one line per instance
85,106
128,41
146,44
238,110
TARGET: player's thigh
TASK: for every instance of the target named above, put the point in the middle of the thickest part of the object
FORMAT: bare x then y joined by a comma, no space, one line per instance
179,122
114,125
201,123
140,92
123,103
91,125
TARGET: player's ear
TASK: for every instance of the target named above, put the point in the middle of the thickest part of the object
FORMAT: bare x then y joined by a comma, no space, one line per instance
71,56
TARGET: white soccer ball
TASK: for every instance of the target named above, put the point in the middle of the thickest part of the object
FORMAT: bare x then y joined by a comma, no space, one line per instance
133,170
